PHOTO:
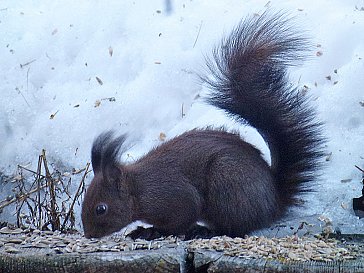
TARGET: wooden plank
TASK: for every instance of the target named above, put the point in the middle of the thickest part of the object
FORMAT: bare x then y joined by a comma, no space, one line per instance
34,252
212,261
167,260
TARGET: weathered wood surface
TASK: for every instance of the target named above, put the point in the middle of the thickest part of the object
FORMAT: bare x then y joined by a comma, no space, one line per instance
167,260
210,261
33,253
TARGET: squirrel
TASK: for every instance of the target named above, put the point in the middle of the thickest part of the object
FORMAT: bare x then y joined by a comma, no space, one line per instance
212,175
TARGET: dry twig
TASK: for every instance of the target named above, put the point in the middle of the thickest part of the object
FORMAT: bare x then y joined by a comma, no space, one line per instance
47,200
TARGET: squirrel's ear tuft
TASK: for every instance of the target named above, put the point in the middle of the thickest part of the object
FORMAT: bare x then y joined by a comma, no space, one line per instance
97,150
105,151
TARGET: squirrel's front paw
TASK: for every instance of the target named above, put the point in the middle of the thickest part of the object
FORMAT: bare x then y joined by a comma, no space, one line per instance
149,234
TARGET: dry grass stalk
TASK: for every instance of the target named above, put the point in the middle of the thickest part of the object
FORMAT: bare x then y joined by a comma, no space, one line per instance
47,201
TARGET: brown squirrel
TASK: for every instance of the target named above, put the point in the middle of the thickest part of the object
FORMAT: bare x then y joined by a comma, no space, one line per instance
213,176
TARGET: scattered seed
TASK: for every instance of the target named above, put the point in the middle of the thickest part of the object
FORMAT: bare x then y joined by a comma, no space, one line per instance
99,81
6,230
290,248
53,115
162,136
97,103
11,249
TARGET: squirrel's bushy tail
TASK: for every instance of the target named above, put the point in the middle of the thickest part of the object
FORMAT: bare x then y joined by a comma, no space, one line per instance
249,81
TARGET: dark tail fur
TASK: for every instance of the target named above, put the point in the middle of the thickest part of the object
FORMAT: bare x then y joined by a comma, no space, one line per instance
250,83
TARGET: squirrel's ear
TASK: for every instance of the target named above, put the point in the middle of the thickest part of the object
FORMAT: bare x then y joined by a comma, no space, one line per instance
98,148
115,178
111,174
110,165
104,157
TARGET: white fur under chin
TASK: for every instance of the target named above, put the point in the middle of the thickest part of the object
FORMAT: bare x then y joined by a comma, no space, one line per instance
203,224
125,231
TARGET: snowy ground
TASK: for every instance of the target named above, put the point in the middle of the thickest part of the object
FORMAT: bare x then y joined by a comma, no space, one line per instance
71,69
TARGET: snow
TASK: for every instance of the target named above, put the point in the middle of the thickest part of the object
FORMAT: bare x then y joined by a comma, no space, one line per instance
52,52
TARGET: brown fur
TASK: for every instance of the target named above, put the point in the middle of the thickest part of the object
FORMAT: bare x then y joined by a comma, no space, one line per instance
210,175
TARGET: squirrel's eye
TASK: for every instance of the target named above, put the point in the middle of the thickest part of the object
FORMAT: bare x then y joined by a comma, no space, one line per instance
101,209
